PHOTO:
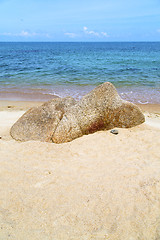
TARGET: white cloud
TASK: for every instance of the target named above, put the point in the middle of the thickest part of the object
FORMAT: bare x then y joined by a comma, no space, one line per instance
24,34
85,28
90,32
104,34
27,34
71,35
93,33
6,34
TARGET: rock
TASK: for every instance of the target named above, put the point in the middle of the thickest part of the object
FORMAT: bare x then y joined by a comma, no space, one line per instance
39,123
114,131
62,120
100,109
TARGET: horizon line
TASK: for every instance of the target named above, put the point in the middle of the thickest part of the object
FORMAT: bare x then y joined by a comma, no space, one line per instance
79,41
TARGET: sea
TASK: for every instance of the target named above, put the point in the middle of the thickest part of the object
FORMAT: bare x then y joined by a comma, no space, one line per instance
40,71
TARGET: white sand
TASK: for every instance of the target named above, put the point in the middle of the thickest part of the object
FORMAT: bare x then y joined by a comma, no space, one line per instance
8,119
100,186
153,121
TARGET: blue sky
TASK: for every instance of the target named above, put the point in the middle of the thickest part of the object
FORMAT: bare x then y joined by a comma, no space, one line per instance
83,20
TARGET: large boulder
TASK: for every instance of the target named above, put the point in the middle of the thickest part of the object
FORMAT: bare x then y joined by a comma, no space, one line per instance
62,120
39,123
100,109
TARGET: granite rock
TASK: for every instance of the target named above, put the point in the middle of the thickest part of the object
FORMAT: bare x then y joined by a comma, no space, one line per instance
62,120
100,109
39,123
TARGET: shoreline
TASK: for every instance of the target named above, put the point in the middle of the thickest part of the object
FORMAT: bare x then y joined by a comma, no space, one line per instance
25,105
137,95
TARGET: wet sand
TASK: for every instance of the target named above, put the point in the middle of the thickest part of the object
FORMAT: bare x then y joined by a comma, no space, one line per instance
99,186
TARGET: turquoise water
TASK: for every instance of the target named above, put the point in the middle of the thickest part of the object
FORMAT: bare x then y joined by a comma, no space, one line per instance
35,71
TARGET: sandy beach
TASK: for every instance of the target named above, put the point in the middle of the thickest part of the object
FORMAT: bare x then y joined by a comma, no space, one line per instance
99,186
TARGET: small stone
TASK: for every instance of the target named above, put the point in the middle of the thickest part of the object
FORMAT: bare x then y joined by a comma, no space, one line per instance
114,131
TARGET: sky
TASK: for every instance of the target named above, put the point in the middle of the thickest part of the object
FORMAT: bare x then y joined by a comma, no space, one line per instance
82,20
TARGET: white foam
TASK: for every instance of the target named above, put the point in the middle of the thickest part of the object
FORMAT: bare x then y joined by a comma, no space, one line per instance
143,102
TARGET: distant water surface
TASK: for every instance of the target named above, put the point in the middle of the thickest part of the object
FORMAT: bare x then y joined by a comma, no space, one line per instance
39,71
